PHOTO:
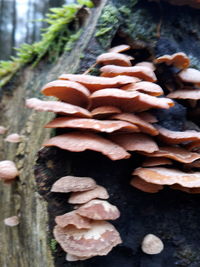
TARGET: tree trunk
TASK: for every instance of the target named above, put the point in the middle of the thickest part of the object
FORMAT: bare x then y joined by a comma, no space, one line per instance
151,29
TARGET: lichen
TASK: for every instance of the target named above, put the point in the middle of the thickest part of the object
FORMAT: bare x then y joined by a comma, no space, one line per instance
53,245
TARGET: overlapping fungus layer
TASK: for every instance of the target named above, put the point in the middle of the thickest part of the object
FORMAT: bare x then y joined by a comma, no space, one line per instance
111,114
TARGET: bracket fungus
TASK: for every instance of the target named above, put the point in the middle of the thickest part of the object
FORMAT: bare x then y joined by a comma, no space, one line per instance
11,221
115,59
179,60
8,170
13,138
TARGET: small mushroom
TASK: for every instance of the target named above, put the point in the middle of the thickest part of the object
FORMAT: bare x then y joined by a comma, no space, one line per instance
152,244
73,218
99,240
147,64
73,184
119,48
94,83
114,59
11,221
195,190
189,75
140,72
179,60
99,210
3,130
14,138
57,107
152,162
71,92
145,87
148,117
142,185
104,112
8,170
84,197
193,94
70,257
78,141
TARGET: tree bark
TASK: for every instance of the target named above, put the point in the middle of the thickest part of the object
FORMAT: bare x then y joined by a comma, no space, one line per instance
150,29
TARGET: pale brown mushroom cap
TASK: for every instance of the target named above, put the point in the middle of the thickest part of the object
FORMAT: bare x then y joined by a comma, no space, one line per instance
11,221
119,48
73,184
144,126
107,126
152,162
57,107
71,92
142,185
13,138
185,94
189,75
135,142
8,170
73,218
99,210
176,137
151,244
94,83
104,112
99,240
179,60
114,59
70,257
175,153
185,189
78,141
145,87
148,117
140,72
164,176
147,64
84,197
3,130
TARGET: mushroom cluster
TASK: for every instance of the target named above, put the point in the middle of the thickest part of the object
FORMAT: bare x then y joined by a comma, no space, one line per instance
113,114
83,233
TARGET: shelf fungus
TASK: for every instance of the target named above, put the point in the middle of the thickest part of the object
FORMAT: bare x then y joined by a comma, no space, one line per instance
179,60
14,138
11,221
145,87
104,112
114,59
8,170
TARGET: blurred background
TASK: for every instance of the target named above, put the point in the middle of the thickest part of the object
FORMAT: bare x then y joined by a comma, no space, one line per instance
18,22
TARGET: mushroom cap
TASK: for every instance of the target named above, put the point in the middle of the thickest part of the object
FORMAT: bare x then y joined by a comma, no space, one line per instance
119,48
140,72
84,197
114,59
185,94
8,170
11,221
135,142
78,141
71,92
151,244
104,112
177,137
128,101
99,210
73,218
148,117
94,83
144,126
142,185
145,87
164,176
147,64
57,107
175,153
189,75
99,240
3,130
179,60
13,138
185,189
73,184
151,162
107,126
70,257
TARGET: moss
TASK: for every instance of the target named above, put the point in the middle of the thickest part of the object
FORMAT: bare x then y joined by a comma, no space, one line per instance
53,245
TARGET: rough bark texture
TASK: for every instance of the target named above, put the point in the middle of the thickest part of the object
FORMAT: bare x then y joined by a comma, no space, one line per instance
175,214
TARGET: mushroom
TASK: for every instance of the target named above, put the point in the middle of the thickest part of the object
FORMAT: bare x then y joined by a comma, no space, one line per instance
142,185
73,184
195,190
8,170
99,210
71,92
114,59
145,87
151,162
57,107
140,72
179,60
73,218
99,240
119,48
83,197
107,126
94,83
14,138
144,126
164,176
70,257
78,141
148,117
135,142
189,75
104,112
193,94
147,64
11,221
152,244
3,130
